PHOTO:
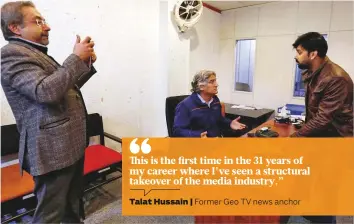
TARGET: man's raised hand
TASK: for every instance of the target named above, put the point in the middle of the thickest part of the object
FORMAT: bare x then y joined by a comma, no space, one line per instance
84,49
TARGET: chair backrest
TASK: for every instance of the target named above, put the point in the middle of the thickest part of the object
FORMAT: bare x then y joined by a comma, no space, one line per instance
10,139
171,104
95,126
223,109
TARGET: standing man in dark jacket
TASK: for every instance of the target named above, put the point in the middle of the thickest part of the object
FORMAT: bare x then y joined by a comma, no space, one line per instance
50,113
329,96
199,115
329,90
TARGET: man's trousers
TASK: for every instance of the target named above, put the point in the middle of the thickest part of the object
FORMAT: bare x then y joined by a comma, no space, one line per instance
58,195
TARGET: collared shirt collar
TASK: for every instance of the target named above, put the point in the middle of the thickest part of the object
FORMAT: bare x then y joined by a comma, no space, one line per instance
203,101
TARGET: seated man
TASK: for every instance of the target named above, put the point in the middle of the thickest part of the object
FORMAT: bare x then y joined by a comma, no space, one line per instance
199,115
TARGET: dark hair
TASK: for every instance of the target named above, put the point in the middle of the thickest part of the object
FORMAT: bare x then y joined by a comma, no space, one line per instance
11,13
312,41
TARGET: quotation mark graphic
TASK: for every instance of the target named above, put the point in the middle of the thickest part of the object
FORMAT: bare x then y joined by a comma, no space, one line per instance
135,148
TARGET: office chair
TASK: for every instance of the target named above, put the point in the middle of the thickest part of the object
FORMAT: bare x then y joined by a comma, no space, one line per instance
17,198
171,104
16,191
223,113
10,146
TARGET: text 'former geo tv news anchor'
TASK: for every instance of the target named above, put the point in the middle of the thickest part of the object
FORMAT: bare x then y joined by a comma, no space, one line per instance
50,113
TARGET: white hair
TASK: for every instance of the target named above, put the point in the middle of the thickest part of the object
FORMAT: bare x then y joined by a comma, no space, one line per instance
201,79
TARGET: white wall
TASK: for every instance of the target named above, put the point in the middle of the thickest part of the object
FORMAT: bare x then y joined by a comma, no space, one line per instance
204,45
275,27
142,58
194,50
178,56
130,83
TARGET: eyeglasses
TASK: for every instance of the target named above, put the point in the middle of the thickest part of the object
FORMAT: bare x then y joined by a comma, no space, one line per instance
41,22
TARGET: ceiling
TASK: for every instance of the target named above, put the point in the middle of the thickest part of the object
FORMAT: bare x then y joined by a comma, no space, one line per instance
227,5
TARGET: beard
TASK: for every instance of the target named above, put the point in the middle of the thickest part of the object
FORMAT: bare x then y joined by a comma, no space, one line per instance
302,66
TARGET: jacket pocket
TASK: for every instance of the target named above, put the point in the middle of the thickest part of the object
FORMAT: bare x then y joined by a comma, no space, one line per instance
316,97
55,123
